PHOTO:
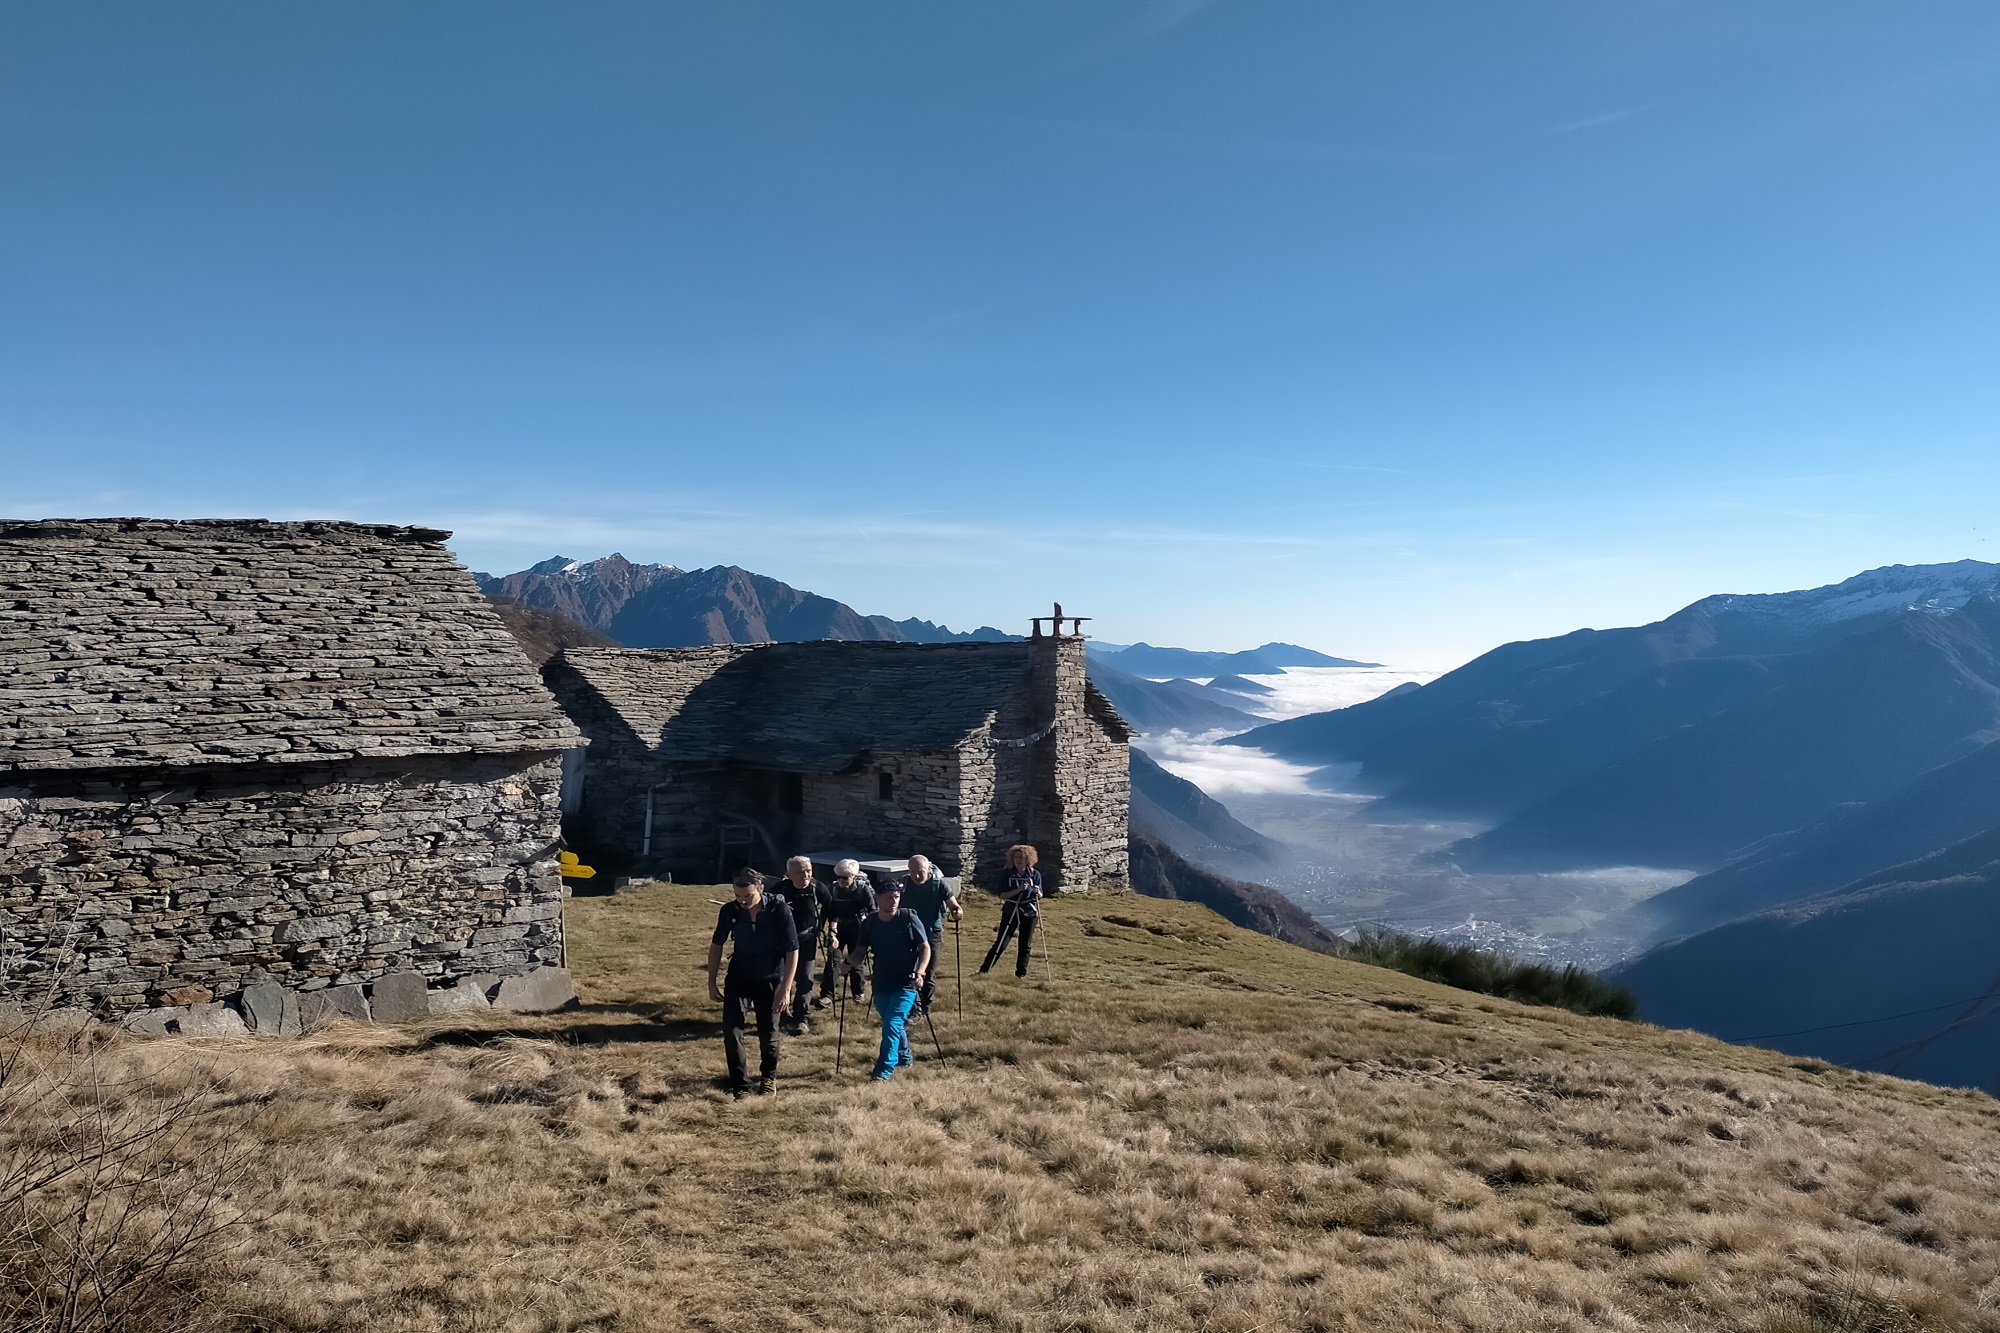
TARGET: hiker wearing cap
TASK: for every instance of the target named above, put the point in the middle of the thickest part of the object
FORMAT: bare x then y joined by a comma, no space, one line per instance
901,948
764,956
1019,908
809,900
926,894
850,901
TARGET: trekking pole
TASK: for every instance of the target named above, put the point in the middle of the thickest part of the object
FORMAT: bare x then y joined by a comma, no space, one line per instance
934,1036
840,1019
958,956
1003,936
1048,968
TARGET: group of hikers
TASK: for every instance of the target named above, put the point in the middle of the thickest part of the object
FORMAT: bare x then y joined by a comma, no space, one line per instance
778,974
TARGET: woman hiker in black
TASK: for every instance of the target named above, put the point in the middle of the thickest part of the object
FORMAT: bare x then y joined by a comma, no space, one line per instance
1018,908
760,976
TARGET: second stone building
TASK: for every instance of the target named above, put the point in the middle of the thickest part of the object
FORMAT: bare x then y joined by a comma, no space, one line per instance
701,759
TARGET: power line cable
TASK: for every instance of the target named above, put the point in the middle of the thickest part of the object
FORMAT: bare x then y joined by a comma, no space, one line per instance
1864,1022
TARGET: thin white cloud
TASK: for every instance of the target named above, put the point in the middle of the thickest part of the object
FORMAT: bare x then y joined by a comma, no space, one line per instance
1594,122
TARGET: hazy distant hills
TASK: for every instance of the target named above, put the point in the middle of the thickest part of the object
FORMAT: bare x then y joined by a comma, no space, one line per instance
1143,659
1153,706
1685,741
1897,971
1185,817
662,606
1934,811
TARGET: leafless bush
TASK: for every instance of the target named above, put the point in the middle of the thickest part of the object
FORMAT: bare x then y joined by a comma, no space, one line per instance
110,1210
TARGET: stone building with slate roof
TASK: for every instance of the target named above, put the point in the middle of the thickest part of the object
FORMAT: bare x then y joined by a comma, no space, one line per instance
268,771
701,759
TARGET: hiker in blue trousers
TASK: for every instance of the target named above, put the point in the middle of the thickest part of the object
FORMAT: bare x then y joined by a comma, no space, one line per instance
902,949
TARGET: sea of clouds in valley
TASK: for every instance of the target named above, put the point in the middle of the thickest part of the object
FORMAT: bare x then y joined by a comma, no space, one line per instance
1356,871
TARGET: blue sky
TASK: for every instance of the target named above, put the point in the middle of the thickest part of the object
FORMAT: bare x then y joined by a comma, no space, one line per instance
1398,330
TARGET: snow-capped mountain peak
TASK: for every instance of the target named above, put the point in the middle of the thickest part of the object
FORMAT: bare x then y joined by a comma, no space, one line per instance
1935,588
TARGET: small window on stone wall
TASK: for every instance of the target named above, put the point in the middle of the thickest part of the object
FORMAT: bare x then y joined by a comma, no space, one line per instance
885,785
791,793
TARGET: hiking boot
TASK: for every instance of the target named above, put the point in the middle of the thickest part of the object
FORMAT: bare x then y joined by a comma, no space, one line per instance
802,1027
766,1086
739,1091
879,1076
822,1002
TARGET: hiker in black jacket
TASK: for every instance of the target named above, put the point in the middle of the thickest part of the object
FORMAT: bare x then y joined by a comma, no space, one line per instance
810,902
849,901
760,976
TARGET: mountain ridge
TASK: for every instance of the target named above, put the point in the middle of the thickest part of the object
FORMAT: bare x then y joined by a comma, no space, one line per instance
665,606
1557,740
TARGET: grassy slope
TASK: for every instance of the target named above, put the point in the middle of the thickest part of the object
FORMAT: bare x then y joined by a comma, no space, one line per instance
1192,1127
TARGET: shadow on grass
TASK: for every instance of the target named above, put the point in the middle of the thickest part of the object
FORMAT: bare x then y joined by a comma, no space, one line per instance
619,1025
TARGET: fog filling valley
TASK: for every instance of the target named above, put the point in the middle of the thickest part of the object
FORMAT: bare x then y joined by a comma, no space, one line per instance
1356,871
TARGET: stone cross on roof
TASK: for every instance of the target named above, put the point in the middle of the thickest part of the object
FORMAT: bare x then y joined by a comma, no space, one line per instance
1055,623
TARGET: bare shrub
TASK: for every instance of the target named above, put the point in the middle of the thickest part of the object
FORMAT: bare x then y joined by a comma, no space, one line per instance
114,1187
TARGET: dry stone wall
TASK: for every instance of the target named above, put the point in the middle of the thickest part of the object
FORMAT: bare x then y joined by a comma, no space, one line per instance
1041,758
1080,786
925,811
182,889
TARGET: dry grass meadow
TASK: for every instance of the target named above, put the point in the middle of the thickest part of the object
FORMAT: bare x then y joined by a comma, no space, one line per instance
1190,1127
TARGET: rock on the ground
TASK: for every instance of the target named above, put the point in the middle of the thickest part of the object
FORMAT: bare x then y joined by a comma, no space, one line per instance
272,1009
467,994
155,1022
317,1008
537,992
399,997
214,1019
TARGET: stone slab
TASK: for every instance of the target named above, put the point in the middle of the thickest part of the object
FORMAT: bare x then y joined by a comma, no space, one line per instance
466,995
317,1008
214,1019
271,1009
155,1022
65,1020
538,992
399,997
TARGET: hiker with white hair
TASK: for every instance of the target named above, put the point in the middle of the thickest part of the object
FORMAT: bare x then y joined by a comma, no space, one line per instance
850,899
809,900
926,893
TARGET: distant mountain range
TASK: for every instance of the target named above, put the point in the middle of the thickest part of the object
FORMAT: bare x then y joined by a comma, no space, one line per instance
663,606
1154,706
1689,741
1829,758
1144,660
